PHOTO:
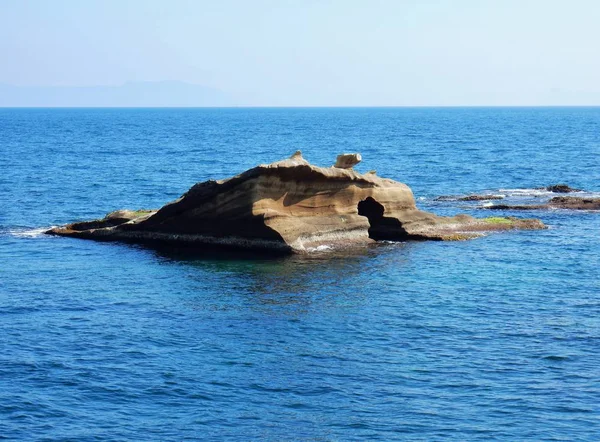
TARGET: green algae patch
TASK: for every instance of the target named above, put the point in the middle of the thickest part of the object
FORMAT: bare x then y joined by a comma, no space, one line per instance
125,213
142,212
499,220
460,236
511,222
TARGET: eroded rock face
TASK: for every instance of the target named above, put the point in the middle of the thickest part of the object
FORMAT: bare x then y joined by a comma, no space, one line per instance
288,206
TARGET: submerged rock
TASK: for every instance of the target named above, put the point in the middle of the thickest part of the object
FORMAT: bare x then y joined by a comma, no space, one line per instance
469,198
289,206
481,198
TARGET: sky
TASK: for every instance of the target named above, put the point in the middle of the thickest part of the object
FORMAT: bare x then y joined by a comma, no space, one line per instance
314,52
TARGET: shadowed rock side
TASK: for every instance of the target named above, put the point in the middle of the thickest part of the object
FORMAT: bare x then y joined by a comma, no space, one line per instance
289,206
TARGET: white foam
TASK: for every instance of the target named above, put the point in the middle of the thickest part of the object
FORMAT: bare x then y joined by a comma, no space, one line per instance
29,233
545,193
526,192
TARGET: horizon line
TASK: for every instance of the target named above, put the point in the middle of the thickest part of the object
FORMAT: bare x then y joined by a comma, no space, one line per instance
411,106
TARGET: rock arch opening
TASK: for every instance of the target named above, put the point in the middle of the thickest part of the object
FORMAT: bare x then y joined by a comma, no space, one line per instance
372,209
381,227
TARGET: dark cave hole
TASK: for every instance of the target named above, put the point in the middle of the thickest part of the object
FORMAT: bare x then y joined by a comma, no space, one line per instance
380,227
371,209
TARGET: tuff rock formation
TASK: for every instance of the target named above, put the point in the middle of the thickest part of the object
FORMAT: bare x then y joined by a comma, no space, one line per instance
289,206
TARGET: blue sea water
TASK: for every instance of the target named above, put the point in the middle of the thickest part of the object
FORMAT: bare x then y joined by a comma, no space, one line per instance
492,339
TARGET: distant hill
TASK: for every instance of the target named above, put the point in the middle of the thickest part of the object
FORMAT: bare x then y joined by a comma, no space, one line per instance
130,94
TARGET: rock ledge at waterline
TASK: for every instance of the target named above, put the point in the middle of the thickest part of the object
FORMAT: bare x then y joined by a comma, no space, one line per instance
290,206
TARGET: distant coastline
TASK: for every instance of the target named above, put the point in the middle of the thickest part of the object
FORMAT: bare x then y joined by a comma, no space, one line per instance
179,94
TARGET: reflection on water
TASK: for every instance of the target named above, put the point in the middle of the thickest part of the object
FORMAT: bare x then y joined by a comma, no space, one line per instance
282,285
240,260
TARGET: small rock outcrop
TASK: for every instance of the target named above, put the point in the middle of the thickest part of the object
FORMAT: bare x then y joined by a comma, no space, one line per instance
560,188
469,198
481,198
289,206
575,203
347,160
558,202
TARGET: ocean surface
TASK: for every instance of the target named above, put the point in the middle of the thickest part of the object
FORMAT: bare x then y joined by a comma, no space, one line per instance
491,339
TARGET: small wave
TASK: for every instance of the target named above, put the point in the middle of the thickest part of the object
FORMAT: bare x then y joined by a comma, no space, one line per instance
556,358
526,192
544,192
29,233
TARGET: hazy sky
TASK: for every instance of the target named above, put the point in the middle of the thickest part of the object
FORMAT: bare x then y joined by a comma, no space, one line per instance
309,52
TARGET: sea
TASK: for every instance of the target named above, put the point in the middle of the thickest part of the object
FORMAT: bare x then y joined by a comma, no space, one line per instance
496,338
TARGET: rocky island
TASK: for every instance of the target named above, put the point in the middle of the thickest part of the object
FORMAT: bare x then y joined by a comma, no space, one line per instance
290,206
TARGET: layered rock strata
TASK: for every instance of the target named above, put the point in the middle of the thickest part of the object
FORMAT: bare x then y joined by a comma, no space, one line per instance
289,206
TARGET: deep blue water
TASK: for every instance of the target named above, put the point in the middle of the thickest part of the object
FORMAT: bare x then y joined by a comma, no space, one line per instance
492,339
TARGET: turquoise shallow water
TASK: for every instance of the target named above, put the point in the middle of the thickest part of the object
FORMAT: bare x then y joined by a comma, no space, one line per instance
492,339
